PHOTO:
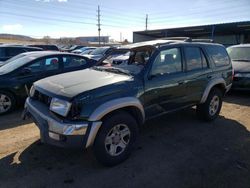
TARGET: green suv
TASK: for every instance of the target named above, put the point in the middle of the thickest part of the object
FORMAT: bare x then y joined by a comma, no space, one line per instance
104,106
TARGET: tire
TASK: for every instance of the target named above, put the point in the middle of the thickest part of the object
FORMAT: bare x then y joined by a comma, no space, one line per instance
108,142
210,110
7,102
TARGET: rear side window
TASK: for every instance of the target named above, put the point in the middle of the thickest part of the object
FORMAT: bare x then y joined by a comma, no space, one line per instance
72,61
219,55
195,58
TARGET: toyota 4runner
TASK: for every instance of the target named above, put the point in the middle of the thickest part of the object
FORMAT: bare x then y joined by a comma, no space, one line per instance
104,106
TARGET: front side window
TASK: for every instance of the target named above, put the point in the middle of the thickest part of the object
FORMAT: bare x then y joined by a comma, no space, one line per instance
47,64
71,61
167,62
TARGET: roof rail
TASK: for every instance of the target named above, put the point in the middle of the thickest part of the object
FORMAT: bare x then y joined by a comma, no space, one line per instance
184,39
203,40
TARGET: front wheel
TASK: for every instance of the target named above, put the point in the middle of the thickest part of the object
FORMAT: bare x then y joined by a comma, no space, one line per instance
115,140
210,110
7,102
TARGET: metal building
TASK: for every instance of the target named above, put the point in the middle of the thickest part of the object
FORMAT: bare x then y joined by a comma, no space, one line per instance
224,33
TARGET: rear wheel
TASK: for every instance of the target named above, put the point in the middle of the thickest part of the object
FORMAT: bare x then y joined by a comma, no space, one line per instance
211,108
115,140
7,102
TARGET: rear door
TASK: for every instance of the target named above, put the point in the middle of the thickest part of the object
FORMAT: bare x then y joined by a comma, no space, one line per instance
165,86
197,73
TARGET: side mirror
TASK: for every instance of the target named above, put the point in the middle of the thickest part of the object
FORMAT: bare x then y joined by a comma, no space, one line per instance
26,71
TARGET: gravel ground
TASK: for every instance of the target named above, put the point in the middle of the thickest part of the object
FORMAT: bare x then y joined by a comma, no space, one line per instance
176,150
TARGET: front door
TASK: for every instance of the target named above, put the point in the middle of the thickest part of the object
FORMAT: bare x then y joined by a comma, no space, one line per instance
165,85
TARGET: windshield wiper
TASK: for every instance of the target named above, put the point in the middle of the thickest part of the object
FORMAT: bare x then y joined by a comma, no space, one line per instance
112,69
117,70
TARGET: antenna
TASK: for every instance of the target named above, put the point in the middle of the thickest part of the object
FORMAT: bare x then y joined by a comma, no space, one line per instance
146,22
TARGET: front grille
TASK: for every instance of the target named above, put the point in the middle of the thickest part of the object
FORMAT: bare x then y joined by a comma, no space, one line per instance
42,98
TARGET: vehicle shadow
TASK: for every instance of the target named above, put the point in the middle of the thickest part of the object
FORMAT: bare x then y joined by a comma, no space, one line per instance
238,97
175,150
13,119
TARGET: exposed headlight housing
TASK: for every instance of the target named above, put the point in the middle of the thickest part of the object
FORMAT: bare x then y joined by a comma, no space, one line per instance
60,107
32,91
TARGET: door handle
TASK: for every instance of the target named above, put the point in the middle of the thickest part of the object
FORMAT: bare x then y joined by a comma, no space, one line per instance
209,76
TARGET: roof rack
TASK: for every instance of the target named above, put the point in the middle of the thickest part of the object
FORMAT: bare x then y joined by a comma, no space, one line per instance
184,39
203,40
188,39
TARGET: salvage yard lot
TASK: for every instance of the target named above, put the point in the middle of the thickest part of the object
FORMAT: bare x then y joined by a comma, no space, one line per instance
175,150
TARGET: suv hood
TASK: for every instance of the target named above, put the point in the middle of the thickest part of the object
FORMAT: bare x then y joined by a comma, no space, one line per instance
73,83
241,66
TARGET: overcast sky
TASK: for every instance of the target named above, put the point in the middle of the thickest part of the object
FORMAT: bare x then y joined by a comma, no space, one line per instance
71,18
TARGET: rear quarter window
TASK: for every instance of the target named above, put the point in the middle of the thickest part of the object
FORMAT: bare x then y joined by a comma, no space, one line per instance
219,55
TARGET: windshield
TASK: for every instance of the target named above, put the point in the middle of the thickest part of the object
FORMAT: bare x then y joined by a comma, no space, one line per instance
239,53
15,57
126,60
87,52
16,63
99,51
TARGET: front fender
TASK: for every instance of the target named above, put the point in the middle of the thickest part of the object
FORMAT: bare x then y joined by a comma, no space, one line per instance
115,104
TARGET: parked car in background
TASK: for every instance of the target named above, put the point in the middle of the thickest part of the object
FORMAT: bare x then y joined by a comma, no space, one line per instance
16,57
9,51
98,53
86,52
19,74
80,50
240,56
104,107
46,47
71,48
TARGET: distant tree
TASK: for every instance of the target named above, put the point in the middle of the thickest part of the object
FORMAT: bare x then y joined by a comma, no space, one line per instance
46,39
125,41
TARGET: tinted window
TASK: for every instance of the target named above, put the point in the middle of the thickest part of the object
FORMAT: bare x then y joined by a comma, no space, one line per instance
73,61
219,55
36,67
14,51
193,58
167,62
47,64
2,52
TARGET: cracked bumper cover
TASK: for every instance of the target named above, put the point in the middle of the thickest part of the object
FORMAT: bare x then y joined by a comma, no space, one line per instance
55,131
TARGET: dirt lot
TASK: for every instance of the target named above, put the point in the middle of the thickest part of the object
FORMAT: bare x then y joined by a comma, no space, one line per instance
176,150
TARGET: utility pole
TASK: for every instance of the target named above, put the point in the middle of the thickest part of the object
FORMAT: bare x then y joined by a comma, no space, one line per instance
146,22
99,25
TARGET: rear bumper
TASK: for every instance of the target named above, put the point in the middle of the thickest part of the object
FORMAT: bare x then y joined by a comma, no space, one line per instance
241,83
62,133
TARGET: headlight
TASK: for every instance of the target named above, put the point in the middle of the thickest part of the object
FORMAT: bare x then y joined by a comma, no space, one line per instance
32,91
244,75
60,107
